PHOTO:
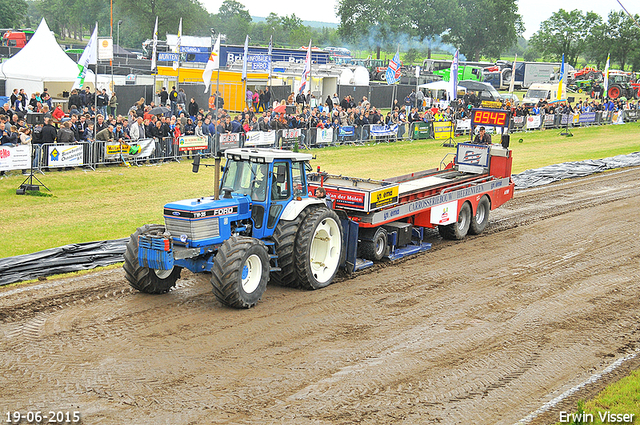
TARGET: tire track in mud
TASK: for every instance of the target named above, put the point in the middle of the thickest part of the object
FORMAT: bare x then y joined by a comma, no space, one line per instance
480,332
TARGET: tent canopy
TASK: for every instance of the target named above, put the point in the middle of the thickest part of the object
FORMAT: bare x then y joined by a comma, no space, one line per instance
42,60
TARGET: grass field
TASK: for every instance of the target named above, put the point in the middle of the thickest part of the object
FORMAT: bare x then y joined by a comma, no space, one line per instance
111,202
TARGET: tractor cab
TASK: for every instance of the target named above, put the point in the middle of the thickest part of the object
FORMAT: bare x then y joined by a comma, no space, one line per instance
271,178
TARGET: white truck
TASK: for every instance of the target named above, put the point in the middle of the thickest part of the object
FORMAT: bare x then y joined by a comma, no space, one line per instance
538,92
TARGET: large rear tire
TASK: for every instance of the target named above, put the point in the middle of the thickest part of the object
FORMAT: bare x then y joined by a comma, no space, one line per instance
240,272
284,238
459,229
613,92
375,248
144,279
480,220
318,249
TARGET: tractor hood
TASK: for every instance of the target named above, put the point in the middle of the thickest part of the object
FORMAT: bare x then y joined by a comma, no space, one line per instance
204,221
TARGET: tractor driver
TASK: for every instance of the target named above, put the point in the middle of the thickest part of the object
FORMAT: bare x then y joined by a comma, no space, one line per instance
482,138
321,193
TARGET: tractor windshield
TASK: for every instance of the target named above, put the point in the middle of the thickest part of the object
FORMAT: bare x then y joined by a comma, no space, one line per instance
247,178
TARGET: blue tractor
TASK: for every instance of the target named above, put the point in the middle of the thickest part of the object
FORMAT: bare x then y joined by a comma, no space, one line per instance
263,228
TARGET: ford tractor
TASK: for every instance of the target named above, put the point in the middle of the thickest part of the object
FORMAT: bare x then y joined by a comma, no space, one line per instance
263,227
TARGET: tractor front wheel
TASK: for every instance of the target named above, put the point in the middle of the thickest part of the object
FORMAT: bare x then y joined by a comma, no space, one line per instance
145,279
240,272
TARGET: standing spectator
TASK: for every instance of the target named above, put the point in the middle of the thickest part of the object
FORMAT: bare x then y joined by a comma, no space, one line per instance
113,104
49,133
249,97
256,100
74,98
65,134
173,98
193,109
164,95
182,98
137,129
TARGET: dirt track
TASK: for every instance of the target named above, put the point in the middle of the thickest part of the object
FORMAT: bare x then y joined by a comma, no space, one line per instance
482,331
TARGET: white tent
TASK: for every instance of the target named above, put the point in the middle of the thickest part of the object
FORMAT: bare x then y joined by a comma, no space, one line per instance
42,63
441,85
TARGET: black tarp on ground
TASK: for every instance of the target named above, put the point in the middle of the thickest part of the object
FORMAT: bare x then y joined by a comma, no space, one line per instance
568,170
85,256
64,259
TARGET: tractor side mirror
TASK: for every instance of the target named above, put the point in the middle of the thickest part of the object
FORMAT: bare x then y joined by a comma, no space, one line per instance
196,164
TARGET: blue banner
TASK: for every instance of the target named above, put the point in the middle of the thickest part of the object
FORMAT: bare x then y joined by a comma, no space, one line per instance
346,131
587,117
168,57
384,130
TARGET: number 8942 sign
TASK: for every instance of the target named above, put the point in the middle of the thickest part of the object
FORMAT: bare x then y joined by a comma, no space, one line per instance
490,117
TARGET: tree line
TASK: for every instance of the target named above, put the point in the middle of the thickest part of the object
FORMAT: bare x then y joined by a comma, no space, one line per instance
480,29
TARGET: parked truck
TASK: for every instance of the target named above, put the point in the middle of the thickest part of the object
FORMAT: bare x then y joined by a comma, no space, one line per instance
266,226
526,74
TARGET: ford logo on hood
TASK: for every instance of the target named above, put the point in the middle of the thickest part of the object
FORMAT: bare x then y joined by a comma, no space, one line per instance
176,213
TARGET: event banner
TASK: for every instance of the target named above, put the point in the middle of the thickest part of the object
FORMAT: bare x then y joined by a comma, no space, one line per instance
384,130
192,143
64,155
421,130
442,129
565,119
324,135
549,120
291,135
346,131
587,117
533,122
16,158
260,138
142,148
228,141
518,121
463,125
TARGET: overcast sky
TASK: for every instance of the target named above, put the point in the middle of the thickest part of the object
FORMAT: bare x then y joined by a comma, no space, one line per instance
532,11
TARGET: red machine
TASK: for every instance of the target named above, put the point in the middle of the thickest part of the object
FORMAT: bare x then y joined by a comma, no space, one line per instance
389,216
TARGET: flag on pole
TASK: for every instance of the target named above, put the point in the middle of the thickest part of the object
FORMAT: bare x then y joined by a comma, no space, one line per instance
89,57
212,64
393,70
155,45
513,75
453,76
245,58
270,54
178,45
306,71
561,80
606,76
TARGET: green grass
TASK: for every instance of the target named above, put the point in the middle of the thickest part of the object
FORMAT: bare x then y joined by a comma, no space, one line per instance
618,398
112,202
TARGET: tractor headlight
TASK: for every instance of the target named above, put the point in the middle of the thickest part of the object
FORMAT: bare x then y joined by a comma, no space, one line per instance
183,238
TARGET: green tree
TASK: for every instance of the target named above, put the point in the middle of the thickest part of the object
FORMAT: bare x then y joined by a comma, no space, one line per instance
565,32
12,13
485,28
234,21
624,35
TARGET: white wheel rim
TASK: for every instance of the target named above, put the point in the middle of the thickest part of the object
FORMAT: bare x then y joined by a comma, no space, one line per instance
380,243
163,274
462,220
480,213
251,273
325,250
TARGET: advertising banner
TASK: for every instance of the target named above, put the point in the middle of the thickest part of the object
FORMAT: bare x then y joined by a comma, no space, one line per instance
188,143
291,136
384,130
421,130
324,135
64,156
518,121
587,117
463,125
472,158
444,213
16,158
228,141
346,131
442,129
549,120
260,138
533,122
142,148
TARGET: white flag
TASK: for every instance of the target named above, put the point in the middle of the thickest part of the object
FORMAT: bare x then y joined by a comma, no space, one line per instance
270,55
212,64
89,57
513,75
155,44
176,64
245,58
606,76
453,76
306,72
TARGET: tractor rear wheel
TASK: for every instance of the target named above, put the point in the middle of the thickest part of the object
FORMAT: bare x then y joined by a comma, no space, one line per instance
375,248
318,249
240,272
284,237
459,229
145,279
481,218
613,92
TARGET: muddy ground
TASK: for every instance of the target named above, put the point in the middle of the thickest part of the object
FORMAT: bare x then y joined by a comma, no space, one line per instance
481,331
